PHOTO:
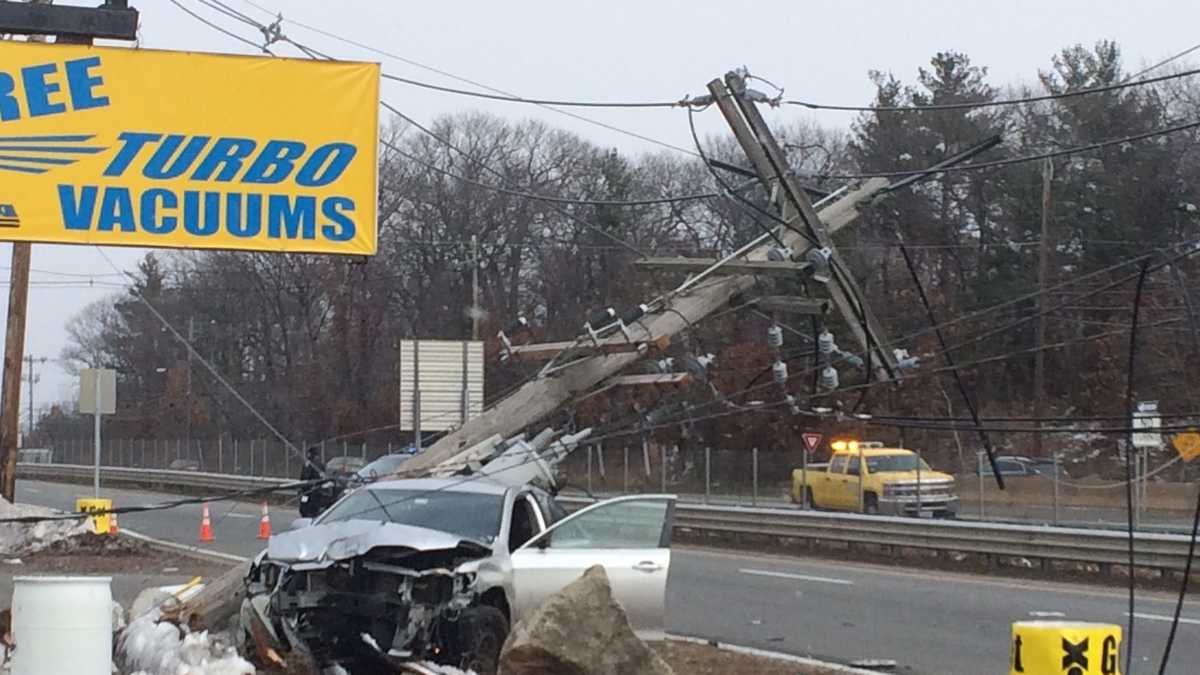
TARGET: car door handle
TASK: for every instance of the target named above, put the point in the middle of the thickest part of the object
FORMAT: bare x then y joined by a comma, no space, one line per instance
647,566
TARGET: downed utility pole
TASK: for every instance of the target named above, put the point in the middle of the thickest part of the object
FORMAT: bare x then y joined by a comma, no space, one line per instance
545,395
73,25
797,211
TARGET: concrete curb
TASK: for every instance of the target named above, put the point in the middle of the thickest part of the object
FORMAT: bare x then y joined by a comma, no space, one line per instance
778,656
194,551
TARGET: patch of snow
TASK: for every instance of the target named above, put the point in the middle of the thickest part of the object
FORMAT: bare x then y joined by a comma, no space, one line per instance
1088,209
444,670
940,147
156,647
23,538
1188,206
905,157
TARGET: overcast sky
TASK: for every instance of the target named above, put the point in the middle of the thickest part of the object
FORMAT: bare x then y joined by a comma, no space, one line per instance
621,50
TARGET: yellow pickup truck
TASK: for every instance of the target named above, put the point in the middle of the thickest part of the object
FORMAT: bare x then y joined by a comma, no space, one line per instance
894,481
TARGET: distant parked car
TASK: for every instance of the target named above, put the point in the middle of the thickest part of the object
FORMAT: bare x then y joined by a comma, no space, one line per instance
384,466
184,465
345,466
1017,466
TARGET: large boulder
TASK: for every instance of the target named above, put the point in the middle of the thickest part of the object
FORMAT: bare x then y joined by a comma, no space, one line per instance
580,630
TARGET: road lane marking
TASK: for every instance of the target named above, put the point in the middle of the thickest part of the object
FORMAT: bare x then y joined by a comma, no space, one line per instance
797,577
1159,617
934,575
1047,615
239,515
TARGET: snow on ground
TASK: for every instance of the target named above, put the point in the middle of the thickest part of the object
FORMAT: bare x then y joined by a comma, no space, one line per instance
152,647
24,538
444,670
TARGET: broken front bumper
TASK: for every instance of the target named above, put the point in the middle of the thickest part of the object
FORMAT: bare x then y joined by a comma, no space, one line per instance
351,610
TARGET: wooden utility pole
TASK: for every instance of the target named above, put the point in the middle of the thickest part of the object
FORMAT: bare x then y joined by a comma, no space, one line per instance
1039,357
72,25
14,353
545,395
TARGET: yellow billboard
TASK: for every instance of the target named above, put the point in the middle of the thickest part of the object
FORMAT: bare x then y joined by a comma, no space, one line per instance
133,147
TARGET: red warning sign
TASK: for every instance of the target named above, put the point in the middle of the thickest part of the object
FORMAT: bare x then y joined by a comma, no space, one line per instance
811,441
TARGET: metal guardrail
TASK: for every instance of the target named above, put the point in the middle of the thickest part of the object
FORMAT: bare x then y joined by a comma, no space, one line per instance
1038,542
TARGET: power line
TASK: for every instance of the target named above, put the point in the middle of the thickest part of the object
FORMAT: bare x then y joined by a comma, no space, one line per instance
1019,160
443,73
995,104
220,29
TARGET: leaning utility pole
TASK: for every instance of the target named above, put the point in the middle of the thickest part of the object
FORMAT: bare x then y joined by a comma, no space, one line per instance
1039,357
545,395
73,25
796,210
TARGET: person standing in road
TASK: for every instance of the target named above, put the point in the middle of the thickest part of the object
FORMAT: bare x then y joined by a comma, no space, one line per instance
312,497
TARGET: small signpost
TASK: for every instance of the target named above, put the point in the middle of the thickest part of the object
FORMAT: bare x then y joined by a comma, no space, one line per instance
811,441
97,396
1145,416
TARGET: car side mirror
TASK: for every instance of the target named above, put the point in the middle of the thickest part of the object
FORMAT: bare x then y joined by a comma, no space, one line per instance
544,542
300,523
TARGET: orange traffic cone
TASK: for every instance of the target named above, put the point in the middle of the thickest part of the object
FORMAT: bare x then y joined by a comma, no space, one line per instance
206,531
112,525
264,525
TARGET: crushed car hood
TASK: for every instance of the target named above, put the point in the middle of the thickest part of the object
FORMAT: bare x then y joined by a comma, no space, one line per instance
351,538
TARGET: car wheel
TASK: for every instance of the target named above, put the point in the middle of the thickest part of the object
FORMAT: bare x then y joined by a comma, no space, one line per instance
870,504
481,632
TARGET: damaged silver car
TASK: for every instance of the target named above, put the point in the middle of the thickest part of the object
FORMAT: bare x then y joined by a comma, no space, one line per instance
438,569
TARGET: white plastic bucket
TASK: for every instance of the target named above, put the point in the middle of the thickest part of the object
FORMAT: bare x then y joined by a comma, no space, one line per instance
62,625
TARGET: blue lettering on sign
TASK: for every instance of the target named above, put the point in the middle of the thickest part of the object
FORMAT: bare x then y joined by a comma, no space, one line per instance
204,213
157,167
77,210
341,227
291,220
116,210
41,89
152,201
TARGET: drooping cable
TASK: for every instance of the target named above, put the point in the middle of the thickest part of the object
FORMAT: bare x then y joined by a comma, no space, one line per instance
1133,331
948,356
1074,150
1191,556
979,105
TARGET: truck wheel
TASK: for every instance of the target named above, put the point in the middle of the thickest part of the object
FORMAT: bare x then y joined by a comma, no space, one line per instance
482,631
870,503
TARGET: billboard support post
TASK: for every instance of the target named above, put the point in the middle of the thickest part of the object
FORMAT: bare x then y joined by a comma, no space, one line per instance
75,25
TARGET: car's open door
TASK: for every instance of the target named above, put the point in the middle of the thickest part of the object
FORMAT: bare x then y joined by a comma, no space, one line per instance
629,536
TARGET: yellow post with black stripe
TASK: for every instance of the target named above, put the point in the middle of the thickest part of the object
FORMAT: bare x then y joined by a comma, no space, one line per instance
102,521
1065,648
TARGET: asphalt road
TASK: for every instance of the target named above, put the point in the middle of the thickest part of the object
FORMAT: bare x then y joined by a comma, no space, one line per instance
930,622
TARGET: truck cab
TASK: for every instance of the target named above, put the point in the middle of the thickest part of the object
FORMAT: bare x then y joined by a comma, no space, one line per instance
871,478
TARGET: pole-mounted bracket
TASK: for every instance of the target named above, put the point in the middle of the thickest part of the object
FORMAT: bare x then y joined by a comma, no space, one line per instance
115,20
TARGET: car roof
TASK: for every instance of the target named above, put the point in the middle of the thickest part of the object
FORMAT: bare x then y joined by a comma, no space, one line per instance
481,486
878,452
